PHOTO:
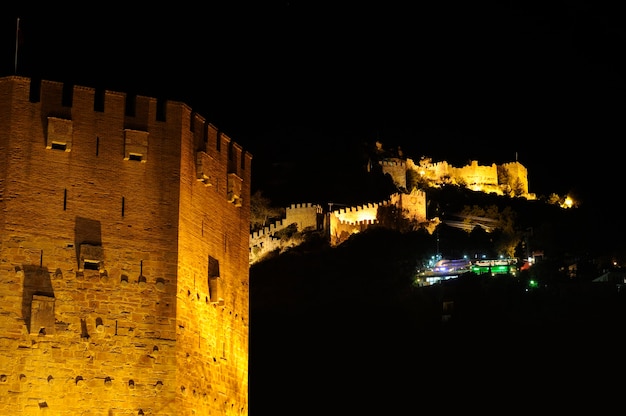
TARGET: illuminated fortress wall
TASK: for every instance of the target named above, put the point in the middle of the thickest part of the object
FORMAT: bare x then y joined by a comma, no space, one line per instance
124,232
413,205
304,216
484,178
342,230
517,175
475,174
340,224
396,168
264,241
431,171
347,221
344,222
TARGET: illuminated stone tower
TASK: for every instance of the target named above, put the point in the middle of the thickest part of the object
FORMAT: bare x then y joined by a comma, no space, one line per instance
124,233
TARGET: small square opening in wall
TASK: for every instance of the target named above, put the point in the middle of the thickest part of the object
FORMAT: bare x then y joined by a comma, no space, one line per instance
91,265
58,146
213,279
135,156
91,257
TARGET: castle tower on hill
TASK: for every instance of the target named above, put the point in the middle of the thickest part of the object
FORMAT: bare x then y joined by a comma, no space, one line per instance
124,234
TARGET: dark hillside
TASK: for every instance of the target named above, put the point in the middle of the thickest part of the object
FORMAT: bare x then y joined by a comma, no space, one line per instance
587,231
345,329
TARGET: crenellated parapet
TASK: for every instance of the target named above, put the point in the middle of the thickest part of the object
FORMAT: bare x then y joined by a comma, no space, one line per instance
339,223
121,129
304,206
341,230
305,216
396,168
263,241
344,222
269,230
476,175
359,212
358,223
393,162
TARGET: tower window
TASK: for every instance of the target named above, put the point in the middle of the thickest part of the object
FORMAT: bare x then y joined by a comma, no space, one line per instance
91,265
214,274
135,156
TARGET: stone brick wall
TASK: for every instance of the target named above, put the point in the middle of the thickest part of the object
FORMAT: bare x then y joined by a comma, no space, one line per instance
305,216
123,271
396,168
344,222
413,204
517,175
475,174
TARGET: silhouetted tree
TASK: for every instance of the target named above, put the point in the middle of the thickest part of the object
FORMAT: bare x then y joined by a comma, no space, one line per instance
262,211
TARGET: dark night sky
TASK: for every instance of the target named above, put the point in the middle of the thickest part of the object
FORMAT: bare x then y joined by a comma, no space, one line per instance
455,81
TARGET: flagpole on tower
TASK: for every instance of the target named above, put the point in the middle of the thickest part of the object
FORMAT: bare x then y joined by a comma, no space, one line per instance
17,41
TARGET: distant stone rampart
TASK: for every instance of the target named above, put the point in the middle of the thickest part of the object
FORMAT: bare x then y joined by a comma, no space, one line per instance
304,216
340,224
506,179
396,168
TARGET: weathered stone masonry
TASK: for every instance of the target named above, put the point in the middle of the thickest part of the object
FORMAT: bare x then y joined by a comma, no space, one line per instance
124,234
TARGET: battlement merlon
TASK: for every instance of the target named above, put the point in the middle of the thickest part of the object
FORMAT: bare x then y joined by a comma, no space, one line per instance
358,222
302,205
387,162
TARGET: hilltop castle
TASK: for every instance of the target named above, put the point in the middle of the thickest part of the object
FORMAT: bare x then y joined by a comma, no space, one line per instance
124,276
410,202
507,179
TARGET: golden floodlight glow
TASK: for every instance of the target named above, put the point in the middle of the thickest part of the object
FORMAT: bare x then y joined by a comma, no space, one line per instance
365,216
568,203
